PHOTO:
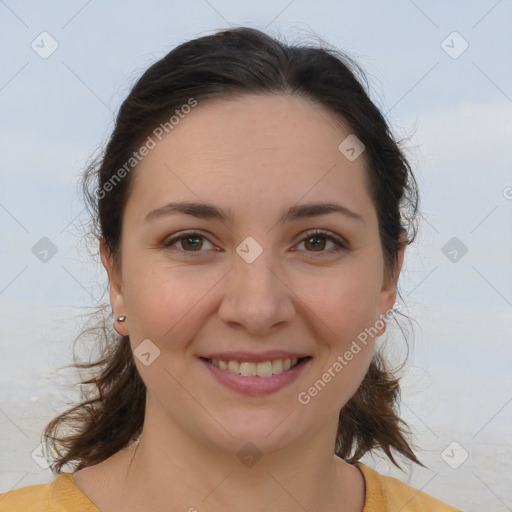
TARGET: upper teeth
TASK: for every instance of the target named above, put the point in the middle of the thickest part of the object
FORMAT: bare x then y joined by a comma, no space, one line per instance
263,369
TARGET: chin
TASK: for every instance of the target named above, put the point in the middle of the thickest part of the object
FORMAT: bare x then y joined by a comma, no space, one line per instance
269,431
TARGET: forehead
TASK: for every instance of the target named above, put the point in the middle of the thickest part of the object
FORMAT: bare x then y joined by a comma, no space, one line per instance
254,149
266,126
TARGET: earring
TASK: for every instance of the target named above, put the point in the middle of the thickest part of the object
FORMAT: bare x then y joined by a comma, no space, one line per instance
121,319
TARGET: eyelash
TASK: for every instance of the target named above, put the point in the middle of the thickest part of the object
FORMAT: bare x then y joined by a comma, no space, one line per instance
341,245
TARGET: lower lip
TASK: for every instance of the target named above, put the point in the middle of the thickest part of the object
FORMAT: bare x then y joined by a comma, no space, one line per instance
257,385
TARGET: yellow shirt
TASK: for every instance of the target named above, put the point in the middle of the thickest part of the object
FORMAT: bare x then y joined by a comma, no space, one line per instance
383,494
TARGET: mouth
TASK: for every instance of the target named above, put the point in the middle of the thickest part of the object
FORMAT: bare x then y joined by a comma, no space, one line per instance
262,369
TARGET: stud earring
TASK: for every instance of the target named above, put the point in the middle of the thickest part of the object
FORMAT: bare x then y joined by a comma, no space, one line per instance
121,319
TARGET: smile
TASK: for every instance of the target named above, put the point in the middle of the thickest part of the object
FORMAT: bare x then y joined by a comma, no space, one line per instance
256,377
262,369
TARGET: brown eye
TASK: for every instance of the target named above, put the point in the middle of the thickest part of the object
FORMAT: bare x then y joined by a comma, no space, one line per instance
191,242
188,242
317,241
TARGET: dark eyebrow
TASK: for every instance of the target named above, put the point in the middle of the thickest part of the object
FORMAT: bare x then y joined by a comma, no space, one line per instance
200,210
210,211
315,209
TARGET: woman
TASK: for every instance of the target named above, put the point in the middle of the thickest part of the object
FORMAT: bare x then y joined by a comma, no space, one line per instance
252,212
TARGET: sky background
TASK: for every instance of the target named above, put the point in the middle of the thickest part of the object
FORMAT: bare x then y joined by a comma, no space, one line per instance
450,104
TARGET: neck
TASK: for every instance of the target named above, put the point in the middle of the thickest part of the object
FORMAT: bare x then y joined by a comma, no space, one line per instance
170,470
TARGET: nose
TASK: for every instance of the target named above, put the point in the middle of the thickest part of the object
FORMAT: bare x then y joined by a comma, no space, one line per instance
257,298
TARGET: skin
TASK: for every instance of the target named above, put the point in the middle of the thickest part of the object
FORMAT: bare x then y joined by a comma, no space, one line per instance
257,156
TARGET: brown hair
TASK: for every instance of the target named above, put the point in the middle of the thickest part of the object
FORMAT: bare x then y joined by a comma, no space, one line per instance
232,62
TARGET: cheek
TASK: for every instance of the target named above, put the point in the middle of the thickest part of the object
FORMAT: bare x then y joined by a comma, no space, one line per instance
162,297
346,311
345,301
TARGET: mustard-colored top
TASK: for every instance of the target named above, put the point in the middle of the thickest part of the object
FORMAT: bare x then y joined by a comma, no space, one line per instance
383,494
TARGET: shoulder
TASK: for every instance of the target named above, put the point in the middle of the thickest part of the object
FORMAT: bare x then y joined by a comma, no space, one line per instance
385,493
62,495
32,498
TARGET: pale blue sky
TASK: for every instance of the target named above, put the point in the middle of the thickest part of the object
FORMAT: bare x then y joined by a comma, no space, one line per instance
458,112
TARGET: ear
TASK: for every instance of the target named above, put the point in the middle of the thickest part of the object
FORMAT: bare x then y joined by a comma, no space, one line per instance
114,287
389,286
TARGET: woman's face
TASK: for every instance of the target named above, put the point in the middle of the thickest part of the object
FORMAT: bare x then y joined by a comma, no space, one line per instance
258,286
